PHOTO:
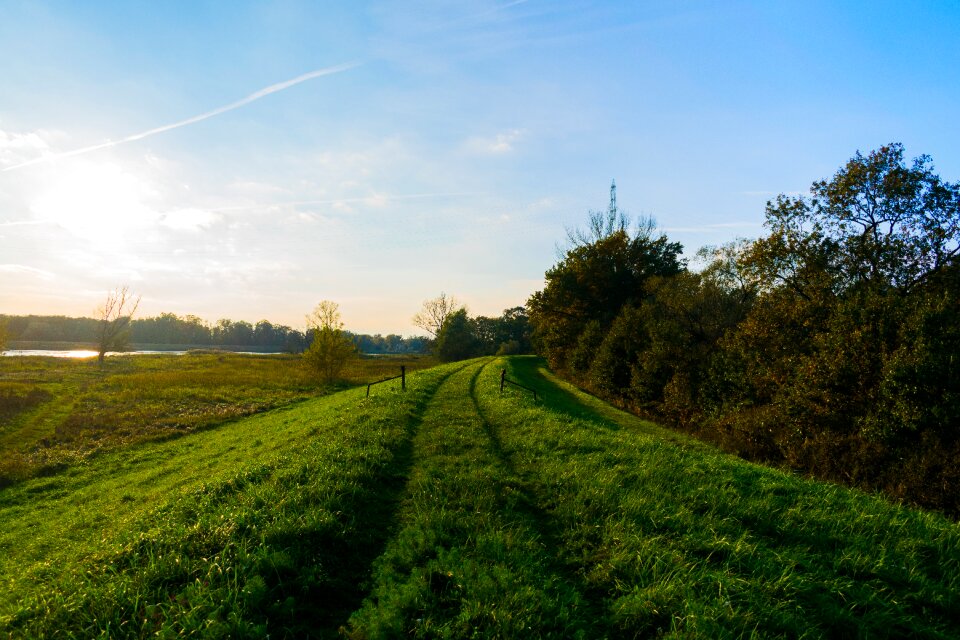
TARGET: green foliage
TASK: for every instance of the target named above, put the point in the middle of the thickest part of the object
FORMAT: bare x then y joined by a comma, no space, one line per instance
330,348
827,345
832,370
508,334
611,371
919,388
592,283
877,224
583,354
4,335
390,344
457,338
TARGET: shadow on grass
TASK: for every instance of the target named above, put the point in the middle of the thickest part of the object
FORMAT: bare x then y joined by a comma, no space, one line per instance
345,556
556,397
300,574
532,496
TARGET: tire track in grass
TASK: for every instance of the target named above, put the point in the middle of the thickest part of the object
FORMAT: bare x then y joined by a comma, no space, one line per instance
534,504
469,560
296,534
376,509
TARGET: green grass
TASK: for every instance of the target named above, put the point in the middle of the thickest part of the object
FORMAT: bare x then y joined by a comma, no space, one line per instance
452,510
55,412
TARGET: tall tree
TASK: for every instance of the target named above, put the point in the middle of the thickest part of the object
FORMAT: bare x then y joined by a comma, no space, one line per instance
857,283
114,316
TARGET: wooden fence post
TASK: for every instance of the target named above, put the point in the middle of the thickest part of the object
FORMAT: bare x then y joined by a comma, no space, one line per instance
503,378
403,377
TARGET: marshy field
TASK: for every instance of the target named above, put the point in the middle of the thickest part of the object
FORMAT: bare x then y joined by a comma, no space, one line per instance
227,496
57,411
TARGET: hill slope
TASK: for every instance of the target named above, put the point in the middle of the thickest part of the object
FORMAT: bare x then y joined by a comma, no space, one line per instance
453,510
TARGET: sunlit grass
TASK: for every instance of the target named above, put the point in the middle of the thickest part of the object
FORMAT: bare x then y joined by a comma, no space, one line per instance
453,510
210,529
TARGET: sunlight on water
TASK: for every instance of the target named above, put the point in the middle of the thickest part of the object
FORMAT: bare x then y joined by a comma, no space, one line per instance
78,353
89,353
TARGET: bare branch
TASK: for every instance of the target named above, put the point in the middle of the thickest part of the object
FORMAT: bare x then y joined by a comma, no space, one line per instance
115,316
434,312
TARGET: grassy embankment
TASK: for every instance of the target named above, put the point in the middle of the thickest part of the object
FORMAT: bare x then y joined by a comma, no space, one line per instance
56,412
450,511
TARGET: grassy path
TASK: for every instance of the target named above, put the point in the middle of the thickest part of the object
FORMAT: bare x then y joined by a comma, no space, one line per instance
232,532
453,510
473,554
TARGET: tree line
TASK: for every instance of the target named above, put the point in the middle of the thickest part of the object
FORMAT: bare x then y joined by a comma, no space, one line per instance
169,329
829,345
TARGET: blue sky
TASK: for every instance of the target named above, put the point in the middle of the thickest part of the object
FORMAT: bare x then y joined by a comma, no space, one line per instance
445,147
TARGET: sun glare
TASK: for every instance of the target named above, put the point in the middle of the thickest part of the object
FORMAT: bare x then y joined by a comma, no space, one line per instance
97,202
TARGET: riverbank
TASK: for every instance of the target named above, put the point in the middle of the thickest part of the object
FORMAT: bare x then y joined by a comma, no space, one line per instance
40,347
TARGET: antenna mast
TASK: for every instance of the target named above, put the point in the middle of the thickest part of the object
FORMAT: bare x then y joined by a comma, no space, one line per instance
613,197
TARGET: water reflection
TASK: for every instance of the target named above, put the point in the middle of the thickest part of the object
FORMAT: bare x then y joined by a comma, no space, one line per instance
89,353
79,353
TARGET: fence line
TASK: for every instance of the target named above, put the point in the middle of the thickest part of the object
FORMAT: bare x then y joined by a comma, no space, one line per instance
402,376
504,380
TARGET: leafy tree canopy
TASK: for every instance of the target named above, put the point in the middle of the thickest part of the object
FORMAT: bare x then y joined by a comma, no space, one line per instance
331,347
594,280
877,223
457,339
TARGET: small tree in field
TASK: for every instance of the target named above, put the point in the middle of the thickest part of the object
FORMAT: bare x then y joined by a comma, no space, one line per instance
330,348
114,316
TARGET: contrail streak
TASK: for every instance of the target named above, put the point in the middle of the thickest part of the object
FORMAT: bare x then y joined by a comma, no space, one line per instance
280,86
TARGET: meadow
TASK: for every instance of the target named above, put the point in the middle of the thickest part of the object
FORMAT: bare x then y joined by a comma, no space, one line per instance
454,510
56,412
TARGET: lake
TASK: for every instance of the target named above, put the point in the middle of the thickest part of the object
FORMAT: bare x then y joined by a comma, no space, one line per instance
88,353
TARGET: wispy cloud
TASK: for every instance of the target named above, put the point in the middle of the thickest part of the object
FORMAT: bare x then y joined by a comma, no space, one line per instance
21,269
274,88
16,147
712,228
22,223
501,143
190,219
375,199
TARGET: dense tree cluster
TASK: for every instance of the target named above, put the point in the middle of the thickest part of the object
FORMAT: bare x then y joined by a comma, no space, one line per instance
830,344
389,344
462,337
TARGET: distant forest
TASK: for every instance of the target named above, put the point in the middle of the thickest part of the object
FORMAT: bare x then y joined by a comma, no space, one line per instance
169,329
